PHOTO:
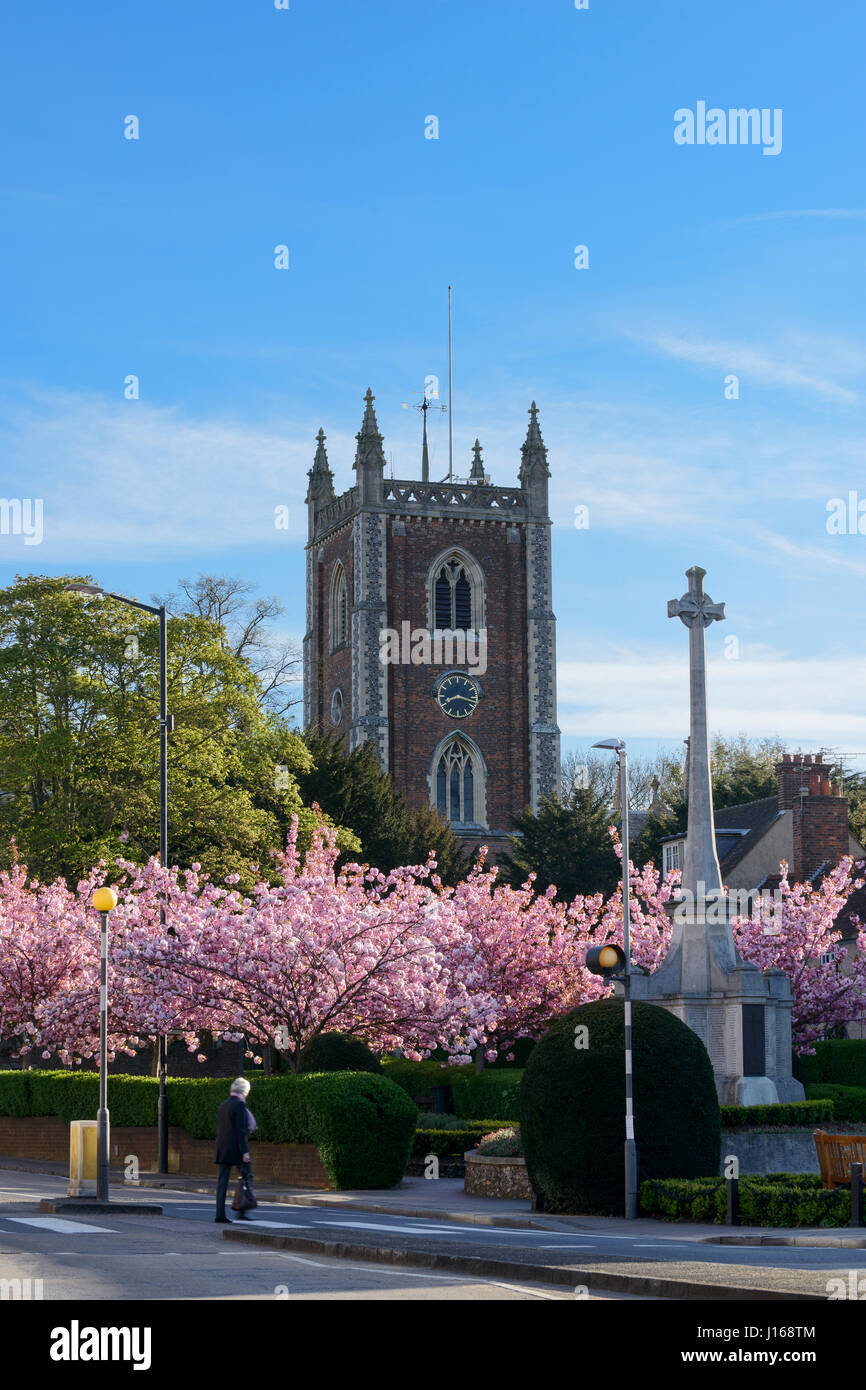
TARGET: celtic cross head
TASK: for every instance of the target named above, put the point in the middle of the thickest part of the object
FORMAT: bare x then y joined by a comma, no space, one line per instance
696,607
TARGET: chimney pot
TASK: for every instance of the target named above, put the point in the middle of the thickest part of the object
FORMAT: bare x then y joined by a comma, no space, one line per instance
807,758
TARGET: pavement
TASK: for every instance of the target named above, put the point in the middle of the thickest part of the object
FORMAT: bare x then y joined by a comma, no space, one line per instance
434,1225
444,1199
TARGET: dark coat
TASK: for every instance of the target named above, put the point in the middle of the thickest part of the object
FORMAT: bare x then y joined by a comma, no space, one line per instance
233,1139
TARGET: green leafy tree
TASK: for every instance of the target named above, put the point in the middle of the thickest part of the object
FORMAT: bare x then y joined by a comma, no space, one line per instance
854,786
567,843
353,790
79,761
743,770
647,848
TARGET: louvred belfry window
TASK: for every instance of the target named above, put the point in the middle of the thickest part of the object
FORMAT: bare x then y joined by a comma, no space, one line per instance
339,608
453,598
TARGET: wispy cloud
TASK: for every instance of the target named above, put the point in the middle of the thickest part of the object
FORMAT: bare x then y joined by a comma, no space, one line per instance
135,481
642,692
749,361
830,555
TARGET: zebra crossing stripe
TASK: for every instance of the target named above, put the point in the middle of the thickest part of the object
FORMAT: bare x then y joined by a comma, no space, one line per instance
57,1223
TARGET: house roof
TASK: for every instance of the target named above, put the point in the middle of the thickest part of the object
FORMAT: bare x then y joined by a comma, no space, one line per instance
752,817
739,828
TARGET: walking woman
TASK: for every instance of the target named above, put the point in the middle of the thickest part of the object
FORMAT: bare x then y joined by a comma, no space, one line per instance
232,1143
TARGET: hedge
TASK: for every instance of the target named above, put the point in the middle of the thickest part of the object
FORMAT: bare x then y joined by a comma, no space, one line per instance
766,1199
848,1102
794,1112
75,1096
476,1095
361,1124
451,1142
837,1062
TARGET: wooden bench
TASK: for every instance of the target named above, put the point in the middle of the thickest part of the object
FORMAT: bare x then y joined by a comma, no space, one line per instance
836,1153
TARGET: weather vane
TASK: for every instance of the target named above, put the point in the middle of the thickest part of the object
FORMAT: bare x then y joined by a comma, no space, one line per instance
424,405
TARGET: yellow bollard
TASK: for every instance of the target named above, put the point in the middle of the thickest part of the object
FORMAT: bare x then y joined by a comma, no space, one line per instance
82,1158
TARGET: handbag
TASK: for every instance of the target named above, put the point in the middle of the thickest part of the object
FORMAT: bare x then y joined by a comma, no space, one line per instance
244,1198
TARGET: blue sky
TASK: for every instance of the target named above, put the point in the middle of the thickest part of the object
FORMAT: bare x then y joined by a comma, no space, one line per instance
306,127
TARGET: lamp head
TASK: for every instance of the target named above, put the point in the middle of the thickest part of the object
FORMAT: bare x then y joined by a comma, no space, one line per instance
615,743
84,589
105,900
607,961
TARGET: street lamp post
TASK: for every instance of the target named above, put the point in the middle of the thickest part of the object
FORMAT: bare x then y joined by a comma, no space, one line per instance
105,901
166,726
630,1149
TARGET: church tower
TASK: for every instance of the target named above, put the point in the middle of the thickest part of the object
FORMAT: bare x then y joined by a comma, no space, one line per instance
430,631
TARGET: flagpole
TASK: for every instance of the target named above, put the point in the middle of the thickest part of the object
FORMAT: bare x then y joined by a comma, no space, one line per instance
450,397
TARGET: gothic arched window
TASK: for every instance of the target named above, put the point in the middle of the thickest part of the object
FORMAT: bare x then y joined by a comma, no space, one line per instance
339,615
458,783
456,593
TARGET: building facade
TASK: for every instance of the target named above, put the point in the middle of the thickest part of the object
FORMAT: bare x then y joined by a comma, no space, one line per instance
431,633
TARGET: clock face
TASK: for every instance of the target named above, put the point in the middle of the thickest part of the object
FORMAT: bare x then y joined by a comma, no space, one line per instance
457,696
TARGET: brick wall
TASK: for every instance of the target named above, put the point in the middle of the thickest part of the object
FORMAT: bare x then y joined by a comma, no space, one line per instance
46,1139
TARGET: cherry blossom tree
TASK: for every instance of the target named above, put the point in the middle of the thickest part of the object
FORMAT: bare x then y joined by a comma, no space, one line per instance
798,934
356,950
397,959
44,950
518,954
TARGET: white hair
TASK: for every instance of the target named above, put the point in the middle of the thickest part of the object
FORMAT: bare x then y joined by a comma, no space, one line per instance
240,1087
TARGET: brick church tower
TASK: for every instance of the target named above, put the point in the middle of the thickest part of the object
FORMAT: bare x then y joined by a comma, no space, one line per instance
430,631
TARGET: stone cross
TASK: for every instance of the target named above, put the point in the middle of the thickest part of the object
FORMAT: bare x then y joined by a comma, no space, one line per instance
697,610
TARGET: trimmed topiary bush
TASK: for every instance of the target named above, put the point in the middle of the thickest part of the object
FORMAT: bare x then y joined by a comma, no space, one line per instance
362,1125
572,1104
338,1052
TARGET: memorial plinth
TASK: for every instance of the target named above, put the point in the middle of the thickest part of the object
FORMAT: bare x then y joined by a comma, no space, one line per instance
742,1016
